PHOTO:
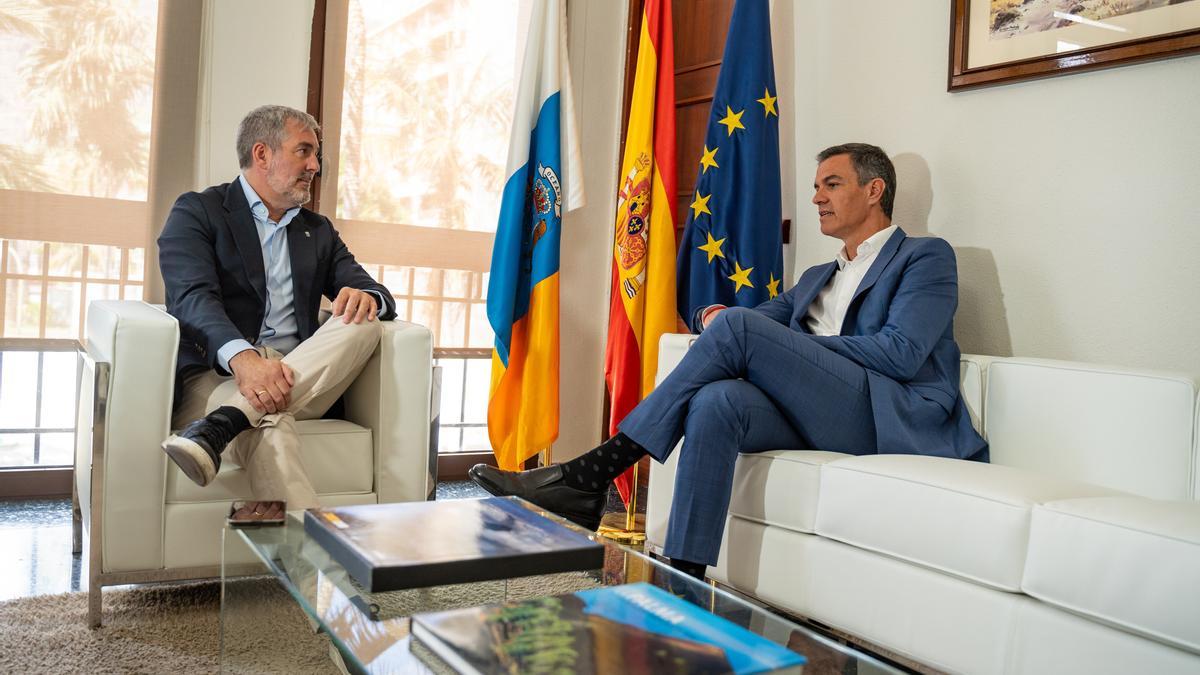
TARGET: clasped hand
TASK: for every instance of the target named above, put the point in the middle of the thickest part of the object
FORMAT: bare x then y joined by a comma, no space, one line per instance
266,383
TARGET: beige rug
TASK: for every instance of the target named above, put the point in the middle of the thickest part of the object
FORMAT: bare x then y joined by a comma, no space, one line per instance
176,628
151,629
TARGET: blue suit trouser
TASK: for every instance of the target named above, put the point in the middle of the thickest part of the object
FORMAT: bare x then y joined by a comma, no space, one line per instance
748,384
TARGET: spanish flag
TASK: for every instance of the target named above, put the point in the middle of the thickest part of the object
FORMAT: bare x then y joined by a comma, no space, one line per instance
642,305
544,181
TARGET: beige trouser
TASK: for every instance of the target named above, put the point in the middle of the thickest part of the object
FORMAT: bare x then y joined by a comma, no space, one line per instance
324,365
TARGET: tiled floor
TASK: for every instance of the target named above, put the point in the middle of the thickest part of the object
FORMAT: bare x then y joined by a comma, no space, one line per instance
35,549
35,544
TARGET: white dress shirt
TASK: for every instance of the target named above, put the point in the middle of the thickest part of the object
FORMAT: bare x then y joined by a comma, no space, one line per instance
828,310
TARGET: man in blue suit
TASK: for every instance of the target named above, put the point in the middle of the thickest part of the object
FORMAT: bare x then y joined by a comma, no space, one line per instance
245,267
858,357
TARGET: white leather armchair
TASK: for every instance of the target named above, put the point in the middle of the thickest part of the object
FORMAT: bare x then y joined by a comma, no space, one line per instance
148,523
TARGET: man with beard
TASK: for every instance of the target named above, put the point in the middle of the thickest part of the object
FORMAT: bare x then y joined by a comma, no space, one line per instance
245,268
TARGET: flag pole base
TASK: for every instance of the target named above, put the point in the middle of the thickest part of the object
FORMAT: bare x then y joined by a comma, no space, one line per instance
613,527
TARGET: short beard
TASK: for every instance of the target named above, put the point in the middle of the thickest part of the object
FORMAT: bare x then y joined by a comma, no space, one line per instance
287,188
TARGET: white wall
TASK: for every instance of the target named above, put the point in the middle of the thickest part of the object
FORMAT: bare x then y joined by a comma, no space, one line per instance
783,52
1070,201
597,47
252,54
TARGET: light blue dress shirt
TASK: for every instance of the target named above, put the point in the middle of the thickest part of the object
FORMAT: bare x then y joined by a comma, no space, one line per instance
279,330
279,321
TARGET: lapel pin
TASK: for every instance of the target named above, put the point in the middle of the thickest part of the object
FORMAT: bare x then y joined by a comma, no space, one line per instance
307,234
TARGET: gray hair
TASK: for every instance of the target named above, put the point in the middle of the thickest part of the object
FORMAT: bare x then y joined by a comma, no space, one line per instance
266,124
870,162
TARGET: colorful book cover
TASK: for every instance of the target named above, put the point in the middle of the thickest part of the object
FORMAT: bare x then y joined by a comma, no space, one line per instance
633,628
387,547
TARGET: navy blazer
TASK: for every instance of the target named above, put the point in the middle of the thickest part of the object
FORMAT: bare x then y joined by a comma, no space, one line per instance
212,266
900,328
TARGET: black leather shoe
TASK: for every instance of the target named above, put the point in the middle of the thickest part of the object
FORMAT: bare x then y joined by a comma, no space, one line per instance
197,449
544,487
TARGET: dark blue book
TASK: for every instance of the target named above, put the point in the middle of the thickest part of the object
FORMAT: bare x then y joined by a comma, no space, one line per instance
388,547
633,628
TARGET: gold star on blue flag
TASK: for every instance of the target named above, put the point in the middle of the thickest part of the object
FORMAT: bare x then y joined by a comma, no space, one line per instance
731,252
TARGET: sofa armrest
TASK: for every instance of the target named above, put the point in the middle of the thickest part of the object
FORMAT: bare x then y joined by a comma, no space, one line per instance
1128,429
660,486
139,343
391,396
972,380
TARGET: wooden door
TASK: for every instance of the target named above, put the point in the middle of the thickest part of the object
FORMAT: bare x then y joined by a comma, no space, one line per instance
700,29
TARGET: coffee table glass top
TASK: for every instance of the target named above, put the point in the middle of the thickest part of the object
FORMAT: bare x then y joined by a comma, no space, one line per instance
370,631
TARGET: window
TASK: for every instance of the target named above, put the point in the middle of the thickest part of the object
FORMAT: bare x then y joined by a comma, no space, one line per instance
76,120
74,174
426,110
37,408
48,285
417,109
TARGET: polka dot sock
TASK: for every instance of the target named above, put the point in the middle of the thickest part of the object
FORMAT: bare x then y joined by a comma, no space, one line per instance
695,570
594,470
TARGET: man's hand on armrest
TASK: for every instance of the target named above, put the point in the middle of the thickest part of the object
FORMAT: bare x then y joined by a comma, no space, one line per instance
266,383
354,305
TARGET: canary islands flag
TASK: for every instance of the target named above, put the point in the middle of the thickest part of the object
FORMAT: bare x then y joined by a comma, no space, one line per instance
544,181
731,252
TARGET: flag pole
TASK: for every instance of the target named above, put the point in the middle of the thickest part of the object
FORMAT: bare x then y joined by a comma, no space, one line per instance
628,527
642,299
631,507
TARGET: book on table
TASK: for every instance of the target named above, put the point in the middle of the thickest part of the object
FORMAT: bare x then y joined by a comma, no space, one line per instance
632,628
387,547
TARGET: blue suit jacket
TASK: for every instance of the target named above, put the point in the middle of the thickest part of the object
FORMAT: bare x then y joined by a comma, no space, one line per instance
900,328
212,267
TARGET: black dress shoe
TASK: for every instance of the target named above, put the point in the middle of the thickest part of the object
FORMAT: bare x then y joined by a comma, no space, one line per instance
544,487
197,449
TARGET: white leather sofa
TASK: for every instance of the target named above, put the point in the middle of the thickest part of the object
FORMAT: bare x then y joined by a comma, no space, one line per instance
148,522
1077,550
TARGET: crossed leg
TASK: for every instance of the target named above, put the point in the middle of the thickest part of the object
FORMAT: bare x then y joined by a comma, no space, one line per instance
748,384
324,365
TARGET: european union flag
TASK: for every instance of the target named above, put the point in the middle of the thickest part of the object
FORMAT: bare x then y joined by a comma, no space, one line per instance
731,251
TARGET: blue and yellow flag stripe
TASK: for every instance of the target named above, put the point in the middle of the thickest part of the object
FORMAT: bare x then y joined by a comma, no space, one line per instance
523,287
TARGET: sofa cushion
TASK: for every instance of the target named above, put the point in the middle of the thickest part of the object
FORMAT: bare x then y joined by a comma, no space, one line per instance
1127,561
1080,421
779,487
337,455
193,538
964,518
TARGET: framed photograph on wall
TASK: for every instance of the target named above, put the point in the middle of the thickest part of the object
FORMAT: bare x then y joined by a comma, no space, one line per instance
1001,41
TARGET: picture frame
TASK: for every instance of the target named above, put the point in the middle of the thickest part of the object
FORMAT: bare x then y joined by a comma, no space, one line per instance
1001,41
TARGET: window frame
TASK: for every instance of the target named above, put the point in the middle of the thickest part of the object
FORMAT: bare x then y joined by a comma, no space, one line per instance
26,482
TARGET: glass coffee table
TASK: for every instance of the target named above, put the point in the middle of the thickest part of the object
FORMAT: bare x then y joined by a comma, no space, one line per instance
369,632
